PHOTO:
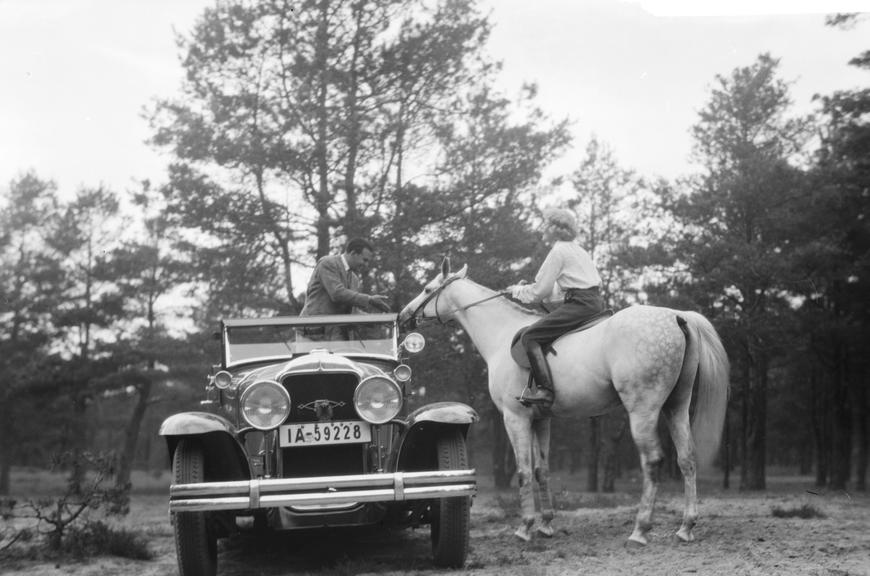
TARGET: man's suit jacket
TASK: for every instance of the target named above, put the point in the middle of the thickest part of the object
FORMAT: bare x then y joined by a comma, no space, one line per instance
333,289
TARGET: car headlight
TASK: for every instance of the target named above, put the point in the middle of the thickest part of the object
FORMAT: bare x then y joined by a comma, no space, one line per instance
414,342
377,399
402,372
223,379
265,404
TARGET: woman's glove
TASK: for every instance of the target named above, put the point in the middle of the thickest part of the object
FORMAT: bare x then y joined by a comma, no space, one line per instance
522,293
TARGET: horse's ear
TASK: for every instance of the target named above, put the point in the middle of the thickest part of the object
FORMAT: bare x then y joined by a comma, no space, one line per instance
463,271
445,267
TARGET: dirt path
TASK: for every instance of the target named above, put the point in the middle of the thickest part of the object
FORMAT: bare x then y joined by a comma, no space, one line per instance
737,535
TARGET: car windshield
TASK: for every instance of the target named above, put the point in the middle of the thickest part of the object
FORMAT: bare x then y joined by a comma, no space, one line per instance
246,340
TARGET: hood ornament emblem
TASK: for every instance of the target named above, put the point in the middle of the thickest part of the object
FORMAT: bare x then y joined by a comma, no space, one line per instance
322,408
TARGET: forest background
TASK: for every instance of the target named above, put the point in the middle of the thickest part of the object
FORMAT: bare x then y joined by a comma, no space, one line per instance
296,129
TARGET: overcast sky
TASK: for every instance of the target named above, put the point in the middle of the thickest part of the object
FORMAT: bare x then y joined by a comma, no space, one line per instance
75,74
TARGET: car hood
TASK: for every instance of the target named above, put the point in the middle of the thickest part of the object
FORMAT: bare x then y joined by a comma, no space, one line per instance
316,362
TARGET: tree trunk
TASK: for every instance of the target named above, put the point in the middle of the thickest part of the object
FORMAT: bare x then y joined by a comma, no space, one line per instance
7,437
861,414
131,436
841,424
400,269
79,443
576,457
504,463
594,453
618,423
726,453
5,475
744,421
353,226
756,423
324,196
821,427
805,458
5,467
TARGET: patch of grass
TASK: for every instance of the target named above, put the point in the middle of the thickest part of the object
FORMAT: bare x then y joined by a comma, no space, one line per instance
805,512
97,538
509,505
33,482
475,564
566,500
351,567
151,482
81,542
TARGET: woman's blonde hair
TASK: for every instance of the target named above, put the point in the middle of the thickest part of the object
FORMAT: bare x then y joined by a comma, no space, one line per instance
563,222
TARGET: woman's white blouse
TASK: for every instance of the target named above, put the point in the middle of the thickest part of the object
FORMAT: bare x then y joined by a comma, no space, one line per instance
567,265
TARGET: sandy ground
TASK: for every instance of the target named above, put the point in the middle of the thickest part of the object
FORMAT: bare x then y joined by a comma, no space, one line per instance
737,535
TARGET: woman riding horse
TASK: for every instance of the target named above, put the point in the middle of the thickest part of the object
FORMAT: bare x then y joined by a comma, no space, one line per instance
655,361
567,272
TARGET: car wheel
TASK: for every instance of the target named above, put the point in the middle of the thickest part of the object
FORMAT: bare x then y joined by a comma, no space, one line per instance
195,543
451,516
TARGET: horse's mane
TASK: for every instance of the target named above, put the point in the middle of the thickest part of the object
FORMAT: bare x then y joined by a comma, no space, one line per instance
518,307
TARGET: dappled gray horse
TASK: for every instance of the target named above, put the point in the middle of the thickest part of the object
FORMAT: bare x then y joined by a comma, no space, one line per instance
646,358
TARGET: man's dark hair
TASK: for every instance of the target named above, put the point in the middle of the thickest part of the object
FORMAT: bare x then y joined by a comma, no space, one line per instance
357,245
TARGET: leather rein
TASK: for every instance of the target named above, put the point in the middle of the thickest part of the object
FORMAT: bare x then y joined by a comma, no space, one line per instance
436,293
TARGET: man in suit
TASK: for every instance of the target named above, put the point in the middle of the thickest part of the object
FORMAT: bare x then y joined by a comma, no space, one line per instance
334,285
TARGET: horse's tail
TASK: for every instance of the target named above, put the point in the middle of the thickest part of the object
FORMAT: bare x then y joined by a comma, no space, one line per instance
712,378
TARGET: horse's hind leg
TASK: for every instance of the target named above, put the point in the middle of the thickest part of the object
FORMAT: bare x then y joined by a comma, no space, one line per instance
676,412
519,432
541,462
680,430
643,429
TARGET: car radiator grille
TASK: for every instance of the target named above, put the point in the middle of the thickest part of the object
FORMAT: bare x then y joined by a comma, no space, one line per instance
305,389
335,460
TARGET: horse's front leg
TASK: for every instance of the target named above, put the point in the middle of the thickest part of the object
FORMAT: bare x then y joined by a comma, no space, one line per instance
519,431
541,460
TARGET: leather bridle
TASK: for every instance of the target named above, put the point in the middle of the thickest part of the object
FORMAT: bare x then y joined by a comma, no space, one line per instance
436,293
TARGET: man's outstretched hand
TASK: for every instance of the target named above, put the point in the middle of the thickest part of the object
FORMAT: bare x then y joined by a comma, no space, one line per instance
379,302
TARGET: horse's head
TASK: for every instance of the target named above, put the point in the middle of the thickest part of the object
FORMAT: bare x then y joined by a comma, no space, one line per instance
425,304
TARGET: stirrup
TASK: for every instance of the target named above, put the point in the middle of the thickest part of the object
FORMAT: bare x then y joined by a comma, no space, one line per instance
526,401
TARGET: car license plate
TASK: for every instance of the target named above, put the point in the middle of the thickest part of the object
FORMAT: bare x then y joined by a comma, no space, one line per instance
320,433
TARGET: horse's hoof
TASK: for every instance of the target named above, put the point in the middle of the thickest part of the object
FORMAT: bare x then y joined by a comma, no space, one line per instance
636,541
523,534
685,535
545,531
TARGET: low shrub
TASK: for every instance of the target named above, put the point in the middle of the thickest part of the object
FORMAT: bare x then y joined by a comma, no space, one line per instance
65,523
99,539
805,512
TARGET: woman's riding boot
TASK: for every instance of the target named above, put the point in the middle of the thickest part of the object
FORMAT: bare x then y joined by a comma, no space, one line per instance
543,392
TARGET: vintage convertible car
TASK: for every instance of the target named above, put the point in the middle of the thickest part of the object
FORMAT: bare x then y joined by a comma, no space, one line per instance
306,427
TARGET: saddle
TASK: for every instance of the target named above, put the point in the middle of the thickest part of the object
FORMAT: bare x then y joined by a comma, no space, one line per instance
518,353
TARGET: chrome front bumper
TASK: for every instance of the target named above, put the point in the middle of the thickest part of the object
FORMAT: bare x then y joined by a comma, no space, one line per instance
276,492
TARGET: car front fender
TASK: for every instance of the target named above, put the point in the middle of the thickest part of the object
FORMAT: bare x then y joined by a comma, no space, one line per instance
220,439
194,423
444,413
424,426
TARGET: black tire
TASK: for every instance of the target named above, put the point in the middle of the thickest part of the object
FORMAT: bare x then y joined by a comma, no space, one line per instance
195,543
451,516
